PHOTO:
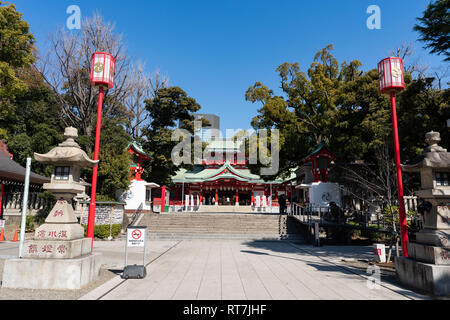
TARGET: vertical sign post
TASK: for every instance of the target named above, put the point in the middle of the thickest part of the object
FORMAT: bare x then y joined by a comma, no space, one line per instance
24,206
392,80
102,76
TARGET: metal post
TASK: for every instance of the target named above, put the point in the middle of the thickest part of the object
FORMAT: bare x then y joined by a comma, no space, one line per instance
91,219
126,250
24,206
401,204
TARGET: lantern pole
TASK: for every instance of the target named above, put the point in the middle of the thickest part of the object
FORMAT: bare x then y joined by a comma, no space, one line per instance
92,206
401,204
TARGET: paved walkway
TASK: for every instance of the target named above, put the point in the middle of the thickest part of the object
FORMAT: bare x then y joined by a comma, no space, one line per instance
241,270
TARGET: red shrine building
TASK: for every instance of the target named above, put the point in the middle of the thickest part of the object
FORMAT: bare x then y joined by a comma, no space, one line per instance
139,194
223,179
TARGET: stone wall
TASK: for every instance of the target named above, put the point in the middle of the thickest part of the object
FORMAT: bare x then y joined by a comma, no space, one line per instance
106,213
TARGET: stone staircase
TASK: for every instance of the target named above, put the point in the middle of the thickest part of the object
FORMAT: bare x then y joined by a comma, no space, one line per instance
220,226
225,209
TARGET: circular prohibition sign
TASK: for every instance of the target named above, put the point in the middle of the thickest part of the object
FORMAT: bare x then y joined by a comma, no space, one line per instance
136,234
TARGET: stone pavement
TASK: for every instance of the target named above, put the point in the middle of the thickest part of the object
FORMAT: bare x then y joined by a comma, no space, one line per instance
241,270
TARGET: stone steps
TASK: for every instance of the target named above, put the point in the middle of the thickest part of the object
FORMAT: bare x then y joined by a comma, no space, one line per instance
218,226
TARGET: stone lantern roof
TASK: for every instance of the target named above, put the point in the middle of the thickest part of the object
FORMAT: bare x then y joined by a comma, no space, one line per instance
433,156
68,152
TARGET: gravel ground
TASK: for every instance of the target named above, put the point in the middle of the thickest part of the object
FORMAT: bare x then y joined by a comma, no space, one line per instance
29,294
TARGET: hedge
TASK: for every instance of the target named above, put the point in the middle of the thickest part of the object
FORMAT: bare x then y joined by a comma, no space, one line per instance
103,231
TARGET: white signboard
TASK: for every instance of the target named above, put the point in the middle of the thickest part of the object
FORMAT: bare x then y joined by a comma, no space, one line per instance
136,237
2,224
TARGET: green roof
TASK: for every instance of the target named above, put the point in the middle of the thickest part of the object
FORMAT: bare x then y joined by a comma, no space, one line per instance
137,147
201,174
319,147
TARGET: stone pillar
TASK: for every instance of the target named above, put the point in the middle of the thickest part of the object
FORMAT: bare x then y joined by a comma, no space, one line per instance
428,266
58,257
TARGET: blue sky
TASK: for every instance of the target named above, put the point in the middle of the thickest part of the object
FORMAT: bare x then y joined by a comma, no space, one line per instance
215,50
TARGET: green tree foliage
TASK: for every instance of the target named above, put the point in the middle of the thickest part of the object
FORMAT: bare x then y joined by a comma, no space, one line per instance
434,28
33,124
16,51
113,168
342,105
169,107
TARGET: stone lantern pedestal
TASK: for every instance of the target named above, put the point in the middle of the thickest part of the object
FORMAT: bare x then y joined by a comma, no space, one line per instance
58,257
428,266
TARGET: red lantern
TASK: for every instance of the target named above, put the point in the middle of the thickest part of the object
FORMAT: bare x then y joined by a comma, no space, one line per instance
391,76
390,72
102,69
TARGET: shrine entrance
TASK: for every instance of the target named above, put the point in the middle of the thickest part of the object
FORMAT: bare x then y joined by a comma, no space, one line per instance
227,197
245,198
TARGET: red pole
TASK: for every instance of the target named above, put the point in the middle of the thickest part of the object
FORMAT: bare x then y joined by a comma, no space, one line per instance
91,219
401,209
1,203
163,199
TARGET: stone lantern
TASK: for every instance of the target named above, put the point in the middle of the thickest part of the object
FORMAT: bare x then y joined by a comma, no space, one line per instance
428,265
58,257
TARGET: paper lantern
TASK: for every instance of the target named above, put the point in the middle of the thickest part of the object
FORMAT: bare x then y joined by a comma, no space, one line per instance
102,69
391,78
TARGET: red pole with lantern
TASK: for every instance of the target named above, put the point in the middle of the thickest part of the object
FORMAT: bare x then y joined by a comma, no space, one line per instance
102,76
392,80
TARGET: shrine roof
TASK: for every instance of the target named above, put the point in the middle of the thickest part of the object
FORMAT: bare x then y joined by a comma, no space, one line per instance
12,171
227,171
136,146
321,146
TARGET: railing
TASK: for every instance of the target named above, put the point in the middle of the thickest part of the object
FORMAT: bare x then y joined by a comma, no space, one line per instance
309,213
136,215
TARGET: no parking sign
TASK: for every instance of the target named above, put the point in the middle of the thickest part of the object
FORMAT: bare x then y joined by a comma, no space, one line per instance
136,236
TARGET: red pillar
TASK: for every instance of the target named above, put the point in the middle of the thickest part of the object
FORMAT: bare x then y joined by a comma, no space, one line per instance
91,219
1,202
163,198
252,197
237,195
401,209
217,196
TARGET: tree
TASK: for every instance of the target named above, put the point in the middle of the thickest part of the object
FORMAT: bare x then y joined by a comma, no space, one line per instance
342,105
144,88
66,68
434,28
16,50
168,108
35,125
309,109
113,168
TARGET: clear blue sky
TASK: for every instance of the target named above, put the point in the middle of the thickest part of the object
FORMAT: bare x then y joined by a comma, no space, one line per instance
215,50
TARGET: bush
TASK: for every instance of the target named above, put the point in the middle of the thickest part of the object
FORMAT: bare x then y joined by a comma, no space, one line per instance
29,224
103,231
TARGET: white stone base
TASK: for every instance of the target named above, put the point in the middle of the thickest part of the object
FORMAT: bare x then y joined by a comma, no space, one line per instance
54,274
425,277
